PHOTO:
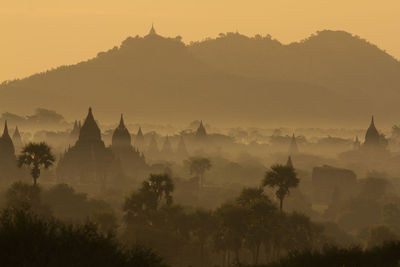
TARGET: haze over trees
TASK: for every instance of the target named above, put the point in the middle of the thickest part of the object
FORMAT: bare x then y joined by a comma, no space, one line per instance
196,192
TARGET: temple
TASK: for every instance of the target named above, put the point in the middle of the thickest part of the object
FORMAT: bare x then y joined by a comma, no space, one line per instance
201,131
17,139
88,160
8,166
132,161
139,140
6,144
372,136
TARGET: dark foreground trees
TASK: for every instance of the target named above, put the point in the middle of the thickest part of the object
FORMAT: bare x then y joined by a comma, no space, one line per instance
387,255
29,240
36,156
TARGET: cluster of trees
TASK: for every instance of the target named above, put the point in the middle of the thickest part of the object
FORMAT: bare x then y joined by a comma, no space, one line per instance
373,214
386,255
245,229
27,239
41,118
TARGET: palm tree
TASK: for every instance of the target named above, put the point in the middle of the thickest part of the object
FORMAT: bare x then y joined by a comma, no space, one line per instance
282,177
36,156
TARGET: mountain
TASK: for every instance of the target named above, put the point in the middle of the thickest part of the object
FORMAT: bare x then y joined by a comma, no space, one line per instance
331,77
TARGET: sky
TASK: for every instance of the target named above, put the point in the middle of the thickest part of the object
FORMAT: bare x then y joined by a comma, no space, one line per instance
37,35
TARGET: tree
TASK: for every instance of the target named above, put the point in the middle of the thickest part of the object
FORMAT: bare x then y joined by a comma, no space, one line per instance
36,156
198,166
260,218
141,204
203,226
283,178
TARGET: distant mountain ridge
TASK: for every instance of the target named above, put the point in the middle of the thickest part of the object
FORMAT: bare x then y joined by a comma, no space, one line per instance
330,77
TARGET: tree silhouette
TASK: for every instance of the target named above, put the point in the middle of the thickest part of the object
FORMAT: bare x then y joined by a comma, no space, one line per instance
198,166
203,226
283,178
36,156
149,197
159,186
260,217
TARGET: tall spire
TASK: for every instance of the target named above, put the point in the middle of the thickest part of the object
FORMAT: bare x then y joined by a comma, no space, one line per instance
90,131
16,133
293,148
372,137
121,122
5,132
75,130
140,133
16,138
139,140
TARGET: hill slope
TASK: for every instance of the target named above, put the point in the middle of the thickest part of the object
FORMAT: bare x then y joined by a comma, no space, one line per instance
330,77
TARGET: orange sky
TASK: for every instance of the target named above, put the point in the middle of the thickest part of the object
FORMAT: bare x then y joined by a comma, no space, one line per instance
40,34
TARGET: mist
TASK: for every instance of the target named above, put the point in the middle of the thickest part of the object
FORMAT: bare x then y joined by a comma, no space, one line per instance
234,150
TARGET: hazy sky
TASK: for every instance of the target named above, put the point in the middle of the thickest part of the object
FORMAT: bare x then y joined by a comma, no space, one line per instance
40,34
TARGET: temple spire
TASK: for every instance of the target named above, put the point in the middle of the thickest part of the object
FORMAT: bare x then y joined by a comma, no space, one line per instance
201,131
6,140
5,132
372,136
90,131
16,133
293,149
121,122
140,133
121,137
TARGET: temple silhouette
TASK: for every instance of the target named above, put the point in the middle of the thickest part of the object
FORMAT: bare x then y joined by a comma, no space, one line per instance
89,160
132,161
8,166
